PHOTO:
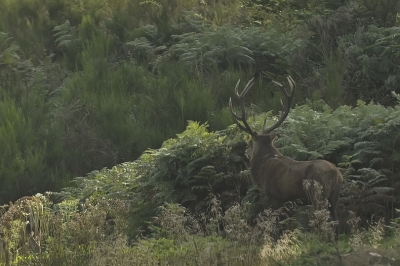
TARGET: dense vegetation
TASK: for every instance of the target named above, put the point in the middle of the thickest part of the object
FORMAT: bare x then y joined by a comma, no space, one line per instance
196,188
88,85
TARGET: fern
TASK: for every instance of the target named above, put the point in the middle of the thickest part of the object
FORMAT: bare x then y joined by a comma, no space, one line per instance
65,34
197,162
141,49
8,52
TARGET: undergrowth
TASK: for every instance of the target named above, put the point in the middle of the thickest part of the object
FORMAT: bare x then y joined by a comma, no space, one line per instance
192,202
96,234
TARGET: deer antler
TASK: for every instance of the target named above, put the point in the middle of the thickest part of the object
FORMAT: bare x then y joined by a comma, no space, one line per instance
286,108
245,127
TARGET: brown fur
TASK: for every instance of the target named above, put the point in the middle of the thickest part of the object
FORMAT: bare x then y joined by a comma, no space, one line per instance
281,178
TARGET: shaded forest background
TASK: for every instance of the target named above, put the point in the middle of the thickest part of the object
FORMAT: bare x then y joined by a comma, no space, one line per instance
90,84
129,101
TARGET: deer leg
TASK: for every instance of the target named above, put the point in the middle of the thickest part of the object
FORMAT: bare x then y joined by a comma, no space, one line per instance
334,202
333,212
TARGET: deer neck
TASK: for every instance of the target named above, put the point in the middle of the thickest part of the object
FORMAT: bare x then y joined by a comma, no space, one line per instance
263,155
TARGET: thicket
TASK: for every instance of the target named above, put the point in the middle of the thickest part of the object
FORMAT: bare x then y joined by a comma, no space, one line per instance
192,200
198,165
90,84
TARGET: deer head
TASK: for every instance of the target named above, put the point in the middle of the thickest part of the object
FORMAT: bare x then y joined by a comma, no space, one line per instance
261,144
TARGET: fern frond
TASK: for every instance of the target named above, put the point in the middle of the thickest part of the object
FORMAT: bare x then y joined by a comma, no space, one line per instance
375,161
379,198
332,146
382,190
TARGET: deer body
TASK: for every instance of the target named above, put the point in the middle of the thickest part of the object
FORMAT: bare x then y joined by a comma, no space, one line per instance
282,178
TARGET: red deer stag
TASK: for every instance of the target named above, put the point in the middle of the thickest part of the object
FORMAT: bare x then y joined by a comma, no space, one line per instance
280,177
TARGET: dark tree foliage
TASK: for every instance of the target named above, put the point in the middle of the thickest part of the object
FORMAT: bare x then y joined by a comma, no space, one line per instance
93,84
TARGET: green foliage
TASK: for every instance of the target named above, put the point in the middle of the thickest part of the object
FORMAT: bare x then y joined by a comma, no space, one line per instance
8,54
376,50
181,193
333,78
285,14
107,92
88,84
383,12
26,99
22,164
213,50
195,164
199,166
100,83
220,48
184,170
69,43
66,236
347,57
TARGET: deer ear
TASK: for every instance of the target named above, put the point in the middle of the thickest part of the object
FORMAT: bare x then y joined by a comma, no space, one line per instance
274,136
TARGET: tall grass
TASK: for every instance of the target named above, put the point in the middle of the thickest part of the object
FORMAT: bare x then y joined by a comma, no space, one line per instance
95,233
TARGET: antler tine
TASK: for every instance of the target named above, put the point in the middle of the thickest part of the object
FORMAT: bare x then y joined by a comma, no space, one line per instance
239,118
249,84
292,85
236,116
245,127
237,89
289,98
247,87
